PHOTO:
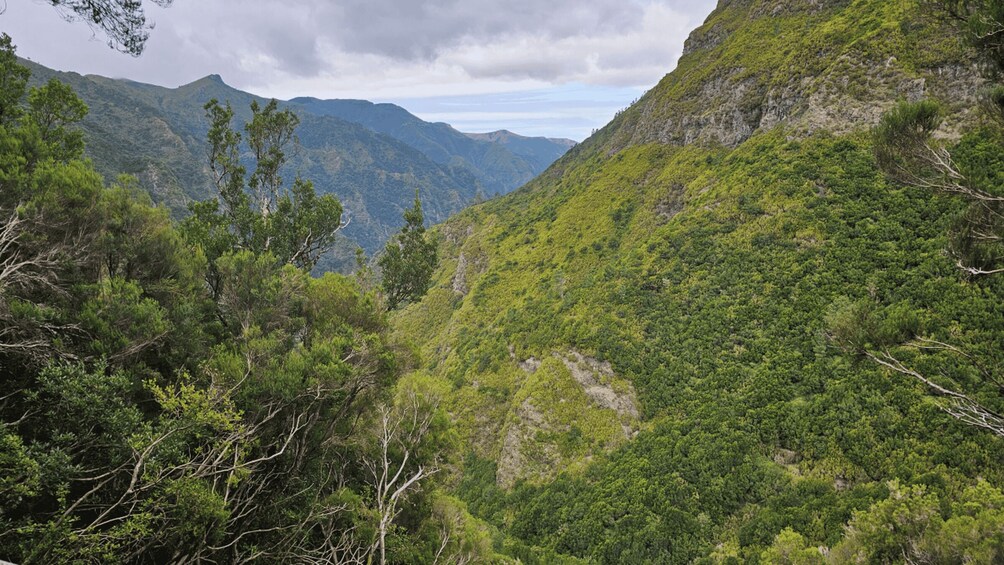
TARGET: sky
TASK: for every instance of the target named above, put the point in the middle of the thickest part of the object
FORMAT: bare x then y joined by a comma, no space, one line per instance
556,68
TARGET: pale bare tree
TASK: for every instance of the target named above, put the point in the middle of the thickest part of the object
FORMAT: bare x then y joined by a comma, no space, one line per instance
960,406
393,469
451,547
27,272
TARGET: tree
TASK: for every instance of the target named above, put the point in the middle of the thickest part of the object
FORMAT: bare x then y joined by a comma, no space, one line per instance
258,213
906,151
906,148
123,21
144,418
983,26
408,260
790,548
13,82
885,337
403,451
914,525
48,201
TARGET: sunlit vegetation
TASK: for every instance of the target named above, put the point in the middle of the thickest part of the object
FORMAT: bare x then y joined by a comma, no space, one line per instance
729,286
182,393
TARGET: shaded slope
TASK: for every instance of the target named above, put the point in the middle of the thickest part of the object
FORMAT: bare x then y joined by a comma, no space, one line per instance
540,151
697,244
158,134
500,163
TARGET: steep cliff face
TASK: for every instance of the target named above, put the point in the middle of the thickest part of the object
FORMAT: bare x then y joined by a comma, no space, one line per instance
832,65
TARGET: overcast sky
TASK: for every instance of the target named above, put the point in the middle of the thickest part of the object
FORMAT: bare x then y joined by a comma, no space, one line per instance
538,67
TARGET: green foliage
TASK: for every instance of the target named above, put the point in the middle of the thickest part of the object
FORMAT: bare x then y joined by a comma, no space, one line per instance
259,214
19,473
739,290
408,261
718,314
13,84
50,109
901,138
147,416
121,321
790,548
375,156
888,530
123,21
982,21
912,524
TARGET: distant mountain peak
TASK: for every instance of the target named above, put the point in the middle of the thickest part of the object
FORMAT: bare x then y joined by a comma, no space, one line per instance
505,136
500,161
213,79
496,135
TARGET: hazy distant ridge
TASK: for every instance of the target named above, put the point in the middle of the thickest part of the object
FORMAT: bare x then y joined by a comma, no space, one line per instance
501,161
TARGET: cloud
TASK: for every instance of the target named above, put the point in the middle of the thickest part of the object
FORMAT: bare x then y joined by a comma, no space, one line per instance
423,30
380,49
612,58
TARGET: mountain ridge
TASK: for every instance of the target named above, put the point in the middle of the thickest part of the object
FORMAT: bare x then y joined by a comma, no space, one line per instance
374,174
498,164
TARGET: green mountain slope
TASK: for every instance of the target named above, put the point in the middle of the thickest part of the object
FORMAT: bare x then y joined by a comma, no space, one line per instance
541,151
500,164
637,340
158,134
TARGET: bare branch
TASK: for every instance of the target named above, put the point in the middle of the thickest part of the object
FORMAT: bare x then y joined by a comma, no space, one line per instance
958,405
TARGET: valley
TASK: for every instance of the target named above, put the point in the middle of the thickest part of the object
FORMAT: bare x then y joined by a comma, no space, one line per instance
755,318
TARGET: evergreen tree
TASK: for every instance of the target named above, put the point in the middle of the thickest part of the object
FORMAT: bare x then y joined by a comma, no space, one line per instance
909,152
257,212
408,260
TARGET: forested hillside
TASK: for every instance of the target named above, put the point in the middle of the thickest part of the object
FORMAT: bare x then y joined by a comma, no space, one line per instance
754,319
500,163
719,331
177,393
159,135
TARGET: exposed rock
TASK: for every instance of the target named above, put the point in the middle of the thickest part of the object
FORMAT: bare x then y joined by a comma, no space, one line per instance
531,440
530,365
460,276
778,8
729,117
512,462
786,457
595,377
670,205
704,39
850,93
472,261
457,234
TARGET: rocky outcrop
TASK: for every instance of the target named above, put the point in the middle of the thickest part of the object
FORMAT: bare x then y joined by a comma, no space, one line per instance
671,204
571,407
705,38
530,365
596,379
834,86
779,8
514,459
460,276
471,264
